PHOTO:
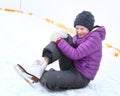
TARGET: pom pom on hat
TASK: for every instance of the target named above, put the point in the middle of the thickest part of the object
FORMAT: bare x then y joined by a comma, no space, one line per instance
85,19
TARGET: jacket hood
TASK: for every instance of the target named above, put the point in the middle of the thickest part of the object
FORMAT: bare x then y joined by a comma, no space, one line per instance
101,30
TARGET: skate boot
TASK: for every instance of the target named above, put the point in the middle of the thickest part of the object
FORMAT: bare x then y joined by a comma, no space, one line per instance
33,73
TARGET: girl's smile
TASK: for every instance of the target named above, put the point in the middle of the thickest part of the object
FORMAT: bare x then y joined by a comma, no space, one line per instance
81,31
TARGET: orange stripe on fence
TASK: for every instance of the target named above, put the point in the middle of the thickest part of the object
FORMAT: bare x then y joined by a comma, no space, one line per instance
116,49
45,19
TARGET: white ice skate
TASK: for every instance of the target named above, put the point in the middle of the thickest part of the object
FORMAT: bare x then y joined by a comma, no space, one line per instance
33,73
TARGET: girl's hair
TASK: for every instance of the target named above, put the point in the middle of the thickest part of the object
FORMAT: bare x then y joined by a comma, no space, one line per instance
96,26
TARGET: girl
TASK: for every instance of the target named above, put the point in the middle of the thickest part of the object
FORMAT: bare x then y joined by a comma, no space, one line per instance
79,56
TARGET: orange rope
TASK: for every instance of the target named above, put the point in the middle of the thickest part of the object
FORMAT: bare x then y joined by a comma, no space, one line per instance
116,49
45,19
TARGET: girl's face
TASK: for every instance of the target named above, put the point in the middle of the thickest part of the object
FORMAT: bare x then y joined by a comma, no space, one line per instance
81,31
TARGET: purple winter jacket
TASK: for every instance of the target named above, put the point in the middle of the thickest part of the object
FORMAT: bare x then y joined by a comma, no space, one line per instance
87,53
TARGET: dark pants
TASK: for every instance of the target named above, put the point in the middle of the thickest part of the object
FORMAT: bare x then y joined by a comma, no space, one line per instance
68,77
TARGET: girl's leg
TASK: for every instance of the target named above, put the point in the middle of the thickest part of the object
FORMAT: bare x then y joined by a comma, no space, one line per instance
61,80
52,51
65,63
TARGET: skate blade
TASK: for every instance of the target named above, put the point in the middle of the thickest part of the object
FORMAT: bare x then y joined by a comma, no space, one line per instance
33,77
25,75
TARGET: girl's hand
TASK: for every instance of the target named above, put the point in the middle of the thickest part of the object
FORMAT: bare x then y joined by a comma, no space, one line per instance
58,35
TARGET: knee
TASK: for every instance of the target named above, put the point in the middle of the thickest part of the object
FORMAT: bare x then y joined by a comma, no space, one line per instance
48,80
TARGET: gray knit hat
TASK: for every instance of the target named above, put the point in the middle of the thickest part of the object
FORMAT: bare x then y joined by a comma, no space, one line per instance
86,19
